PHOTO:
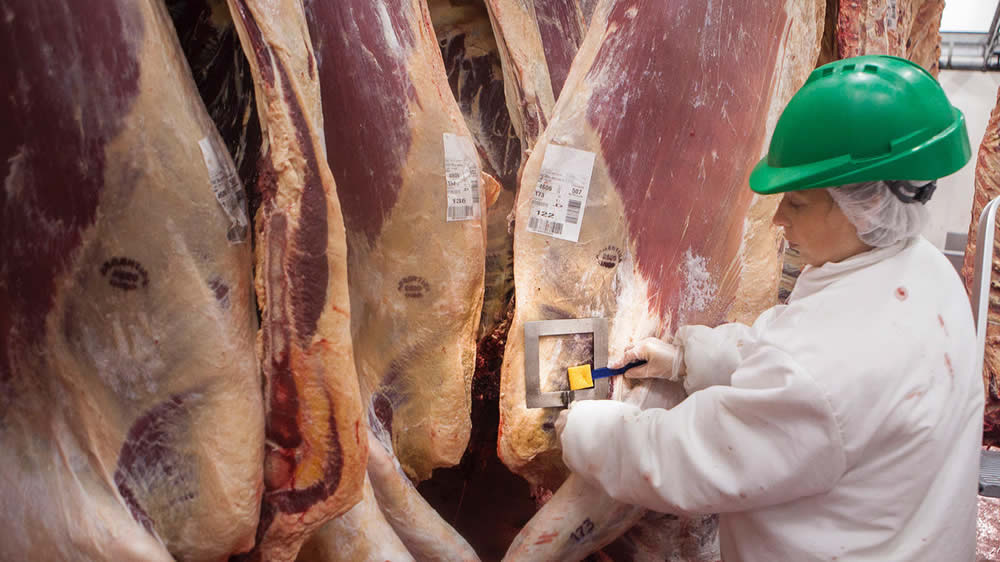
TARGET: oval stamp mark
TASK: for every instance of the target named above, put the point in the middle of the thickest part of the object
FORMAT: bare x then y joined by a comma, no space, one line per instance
125,273
413,287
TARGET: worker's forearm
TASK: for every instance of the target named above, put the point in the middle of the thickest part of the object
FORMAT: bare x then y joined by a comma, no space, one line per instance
710,355
770,439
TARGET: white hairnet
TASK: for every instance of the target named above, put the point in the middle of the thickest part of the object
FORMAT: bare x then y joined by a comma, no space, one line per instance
882,218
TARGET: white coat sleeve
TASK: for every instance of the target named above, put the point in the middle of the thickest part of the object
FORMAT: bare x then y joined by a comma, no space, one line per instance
711,355
769,438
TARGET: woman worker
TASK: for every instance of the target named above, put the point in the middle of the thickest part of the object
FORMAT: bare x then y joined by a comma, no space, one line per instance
846,424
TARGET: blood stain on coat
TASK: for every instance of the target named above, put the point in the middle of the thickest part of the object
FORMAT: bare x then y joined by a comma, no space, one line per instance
943,327
951,370
901,293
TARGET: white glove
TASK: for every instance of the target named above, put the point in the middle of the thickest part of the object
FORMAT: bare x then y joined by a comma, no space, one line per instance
663,360
561,424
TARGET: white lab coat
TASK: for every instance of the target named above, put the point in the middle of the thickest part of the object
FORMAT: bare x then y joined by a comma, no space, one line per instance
843,426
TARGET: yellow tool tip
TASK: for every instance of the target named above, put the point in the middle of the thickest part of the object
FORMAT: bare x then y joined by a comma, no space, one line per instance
579,377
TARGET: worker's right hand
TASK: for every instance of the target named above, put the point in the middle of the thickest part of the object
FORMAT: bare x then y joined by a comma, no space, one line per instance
663,360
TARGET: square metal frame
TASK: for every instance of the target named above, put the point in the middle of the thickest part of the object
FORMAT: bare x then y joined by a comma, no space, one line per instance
534,331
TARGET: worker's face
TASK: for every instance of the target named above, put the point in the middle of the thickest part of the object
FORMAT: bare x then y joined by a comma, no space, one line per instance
816,227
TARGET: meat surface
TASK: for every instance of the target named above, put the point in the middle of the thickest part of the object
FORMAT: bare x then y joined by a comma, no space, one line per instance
988,530
904,28
131,419
416,277
527,86
222,72
988,188
923,46
316,448
360,534
654,251
472,63
562,25
409,183
392,522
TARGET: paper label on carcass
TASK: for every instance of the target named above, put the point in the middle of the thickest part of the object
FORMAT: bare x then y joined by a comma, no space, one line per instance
461,168
227,189
560,196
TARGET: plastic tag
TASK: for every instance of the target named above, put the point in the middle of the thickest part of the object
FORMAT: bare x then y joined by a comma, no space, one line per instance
227,189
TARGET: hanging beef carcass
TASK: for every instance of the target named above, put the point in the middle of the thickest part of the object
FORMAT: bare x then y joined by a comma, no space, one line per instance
672,104
904,28
562,25
526,82
415,234
131,419
988,188
316,444
409,184
474,73
392,522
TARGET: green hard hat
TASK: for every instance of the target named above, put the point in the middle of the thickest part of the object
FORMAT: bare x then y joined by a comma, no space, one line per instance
867,118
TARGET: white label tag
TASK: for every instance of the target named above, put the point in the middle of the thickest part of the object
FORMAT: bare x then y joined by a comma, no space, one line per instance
227,189
461,169
560,197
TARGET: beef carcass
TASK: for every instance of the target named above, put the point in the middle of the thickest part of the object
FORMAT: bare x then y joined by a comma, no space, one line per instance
131,418
923,46
675,102
987,188
476,78
904,28
562,25
988,530
409,184
392,522
527,86
360,534
316,446
416,271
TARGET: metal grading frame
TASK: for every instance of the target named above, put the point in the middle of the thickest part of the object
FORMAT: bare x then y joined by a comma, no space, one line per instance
534,331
